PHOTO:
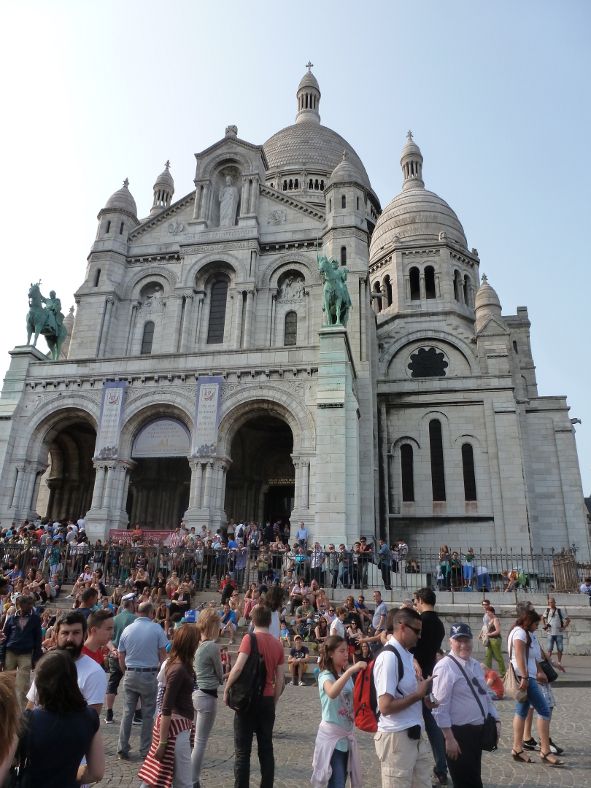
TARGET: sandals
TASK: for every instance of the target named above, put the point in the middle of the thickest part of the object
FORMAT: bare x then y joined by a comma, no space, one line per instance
546,759
516,755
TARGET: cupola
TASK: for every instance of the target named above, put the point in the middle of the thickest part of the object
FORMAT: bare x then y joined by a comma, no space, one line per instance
163,190
308,96
486,303
411,161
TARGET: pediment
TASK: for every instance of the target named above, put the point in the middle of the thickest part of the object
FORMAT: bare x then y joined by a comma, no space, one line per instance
244,156
277,209
168,226
492,328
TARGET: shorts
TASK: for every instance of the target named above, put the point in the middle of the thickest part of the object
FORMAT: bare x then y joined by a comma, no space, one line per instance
558,639
115,676
536,699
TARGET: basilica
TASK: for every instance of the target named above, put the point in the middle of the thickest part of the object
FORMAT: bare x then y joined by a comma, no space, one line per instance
201,379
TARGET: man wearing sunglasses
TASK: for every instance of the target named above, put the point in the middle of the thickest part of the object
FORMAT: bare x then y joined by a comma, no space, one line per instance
400,741
462,704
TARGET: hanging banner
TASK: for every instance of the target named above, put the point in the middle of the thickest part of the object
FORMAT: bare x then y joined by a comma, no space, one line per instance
107,439
207,414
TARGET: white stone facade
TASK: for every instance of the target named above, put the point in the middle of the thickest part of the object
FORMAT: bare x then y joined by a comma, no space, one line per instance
312,420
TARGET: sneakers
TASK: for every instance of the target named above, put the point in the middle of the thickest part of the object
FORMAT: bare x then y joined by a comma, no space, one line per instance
123,756
300,683
555,749
109,717
137,719
531,744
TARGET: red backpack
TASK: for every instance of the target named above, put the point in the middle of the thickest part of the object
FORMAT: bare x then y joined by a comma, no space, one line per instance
365,701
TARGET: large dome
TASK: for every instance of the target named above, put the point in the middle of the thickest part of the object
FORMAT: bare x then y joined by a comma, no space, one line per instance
415,214
418,215
309,144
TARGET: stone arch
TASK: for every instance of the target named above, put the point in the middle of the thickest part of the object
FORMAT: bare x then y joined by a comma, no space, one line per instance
55,415
433,336
245,404
147,408
222,159
278,266
405,439
162,275
468,437
203,268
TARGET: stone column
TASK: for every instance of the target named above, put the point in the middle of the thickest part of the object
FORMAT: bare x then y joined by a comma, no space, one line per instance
272,317
305,474
237,318
20,471
254,194
422,286
204,207
248,319
187,312
106,326
195,331
245,196
297,491
132,323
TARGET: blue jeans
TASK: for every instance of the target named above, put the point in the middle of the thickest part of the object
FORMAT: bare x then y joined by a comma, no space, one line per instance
436,741
535,698
338,764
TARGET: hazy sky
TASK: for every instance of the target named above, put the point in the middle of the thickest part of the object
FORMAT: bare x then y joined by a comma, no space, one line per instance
497,95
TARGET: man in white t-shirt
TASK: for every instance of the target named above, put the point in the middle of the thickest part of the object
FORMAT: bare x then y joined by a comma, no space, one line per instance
401,744
92,679
378,620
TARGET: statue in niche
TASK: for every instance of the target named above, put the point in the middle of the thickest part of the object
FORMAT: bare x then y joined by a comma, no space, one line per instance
228,198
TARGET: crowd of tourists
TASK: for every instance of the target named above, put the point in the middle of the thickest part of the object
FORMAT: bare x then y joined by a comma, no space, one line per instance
147,640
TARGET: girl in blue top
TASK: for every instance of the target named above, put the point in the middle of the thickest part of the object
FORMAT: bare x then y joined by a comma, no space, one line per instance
335,685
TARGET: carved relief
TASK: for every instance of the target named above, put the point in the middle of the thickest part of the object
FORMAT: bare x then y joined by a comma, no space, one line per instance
291,287
174,228
278,216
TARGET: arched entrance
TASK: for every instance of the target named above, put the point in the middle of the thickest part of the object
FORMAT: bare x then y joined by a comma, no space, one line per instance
160,480
66,486
261,479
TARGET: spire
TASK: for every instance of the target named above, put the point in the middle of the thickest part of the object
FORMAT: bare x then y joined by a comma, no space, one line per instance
411,161
308,96
163,190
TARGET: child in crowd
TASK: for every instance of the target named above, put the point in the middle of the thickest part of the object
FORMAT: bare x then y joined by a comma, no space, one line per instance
226,661
335,751
494,682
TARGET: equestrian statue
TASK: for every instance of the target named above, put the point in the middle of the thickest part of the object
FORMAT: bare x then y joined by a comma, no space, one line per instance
47,320
336,301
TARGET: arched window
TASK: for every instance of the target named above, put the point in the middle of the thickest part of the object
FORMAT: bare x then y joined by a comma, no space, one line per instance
407,472
430,282
343,201
108,227
147,338
457,285
437,468
217,311
290,336
378,301
284,186
469,476
415,284
388,290
121,226
343,255
97,277
467,290
311,184
296,184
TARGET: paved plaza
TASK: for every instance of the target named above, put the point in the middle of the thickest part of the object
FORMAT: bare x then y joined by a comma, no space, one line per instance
295,730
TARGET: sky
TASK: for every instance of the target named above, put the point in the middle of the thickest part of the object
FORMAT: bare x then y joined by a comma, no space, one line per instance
496,94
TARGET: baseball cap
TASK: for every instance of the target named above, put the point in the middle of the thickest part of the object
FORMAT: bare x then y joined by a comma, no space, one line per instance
460,631
298,637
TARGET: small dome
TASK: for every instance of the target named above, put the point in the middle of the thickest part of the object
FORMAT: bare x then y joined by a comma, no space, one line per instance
165,179
309,81
345,172
415,214
122,200
487,299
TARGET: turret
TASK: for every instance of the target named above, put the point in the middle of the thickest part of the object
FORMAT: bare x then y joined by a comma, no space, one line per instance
163,190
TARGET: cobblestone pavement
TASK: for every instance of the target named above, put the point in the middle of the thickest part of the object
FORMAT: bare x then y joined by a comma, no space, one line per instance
295,729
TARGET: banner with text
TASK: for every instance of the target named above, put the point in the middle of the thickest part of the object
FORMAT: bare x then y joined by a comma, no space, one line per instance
107,439
207,414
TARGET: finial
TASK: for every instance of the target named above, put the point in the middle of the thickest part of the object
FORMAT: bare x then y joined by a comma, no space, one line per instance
409,135
167,165
126,183
484,279
309,65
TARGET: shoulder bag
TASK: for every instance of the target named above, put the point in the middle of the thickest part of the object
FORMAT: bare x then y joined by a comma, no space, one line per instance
547,667
490,737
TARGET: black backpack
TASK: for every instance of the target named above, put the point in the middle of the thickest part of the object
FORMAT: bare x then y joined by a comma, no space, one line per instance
250,684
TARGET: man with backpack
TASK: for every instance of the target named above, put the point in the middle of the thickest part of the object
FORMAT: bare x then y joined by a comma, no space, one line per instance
401,745
555,623
253,689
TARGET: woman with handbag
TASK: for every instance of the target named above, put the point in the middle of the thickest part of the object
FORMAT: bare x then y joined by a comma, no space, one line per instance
528,673
529,743
463,709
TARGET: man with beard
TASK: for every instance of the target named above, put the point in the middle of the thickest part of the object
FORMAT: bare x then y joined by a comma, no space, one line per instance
92,679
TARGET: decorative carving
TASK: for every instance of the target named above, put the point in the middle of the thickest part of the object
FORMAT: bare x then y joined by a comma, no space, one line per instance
174,228
428,363
291,288
277,216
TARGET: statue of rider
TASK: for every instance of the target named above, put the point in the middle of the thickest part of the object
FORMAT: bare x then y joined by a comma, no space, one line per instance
55,317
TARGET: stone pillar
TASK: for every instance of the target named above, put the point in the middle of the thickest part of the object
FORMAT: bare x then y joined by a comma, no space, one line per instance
106,326
16,498
204,207
132,323
272,317
250,294
422,286
245,196
187,312
237,318
305,473
195,331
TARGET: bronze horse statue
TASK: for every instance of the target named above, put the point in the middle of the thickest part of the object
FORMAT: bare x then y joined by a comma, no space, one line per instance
46,320
336,301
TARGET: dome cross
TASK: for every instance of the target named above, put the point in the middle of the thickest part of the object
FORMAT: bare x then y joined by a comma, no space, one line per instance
309,65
